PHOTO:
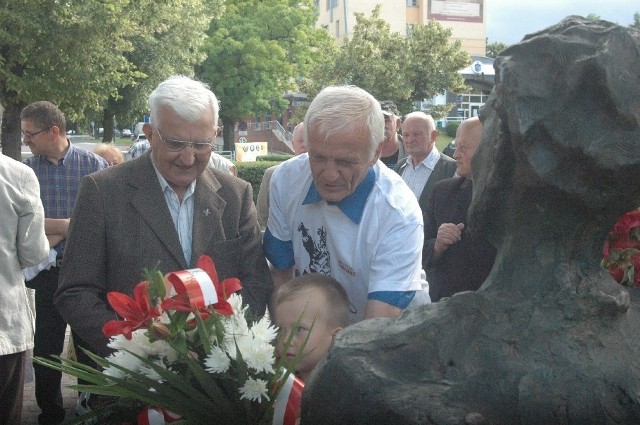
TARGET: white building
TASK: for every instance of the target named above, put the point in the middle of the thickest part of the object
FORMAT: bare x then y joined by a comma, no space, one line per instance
465,18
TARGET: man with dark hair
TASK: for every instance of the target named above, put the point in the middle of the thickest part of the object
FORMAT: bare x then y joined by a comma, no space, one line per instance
392,150
59,166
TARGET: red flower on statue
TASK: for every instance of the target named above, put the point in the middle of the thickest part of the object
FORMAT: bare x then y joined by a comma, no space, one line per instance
137,312
621,251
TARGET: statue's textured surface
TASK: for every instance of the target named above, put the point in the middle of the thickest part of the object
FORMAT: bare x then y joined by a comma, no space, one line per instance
550,338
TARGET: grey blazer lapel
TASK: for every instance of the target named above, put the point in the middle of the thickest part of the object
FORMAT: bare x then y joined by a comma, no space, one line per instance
207,213
149,201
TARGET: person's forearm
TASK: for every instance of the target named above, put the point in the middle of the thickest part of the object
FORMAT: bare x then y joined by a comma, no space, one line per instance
281,276
377,308
56,226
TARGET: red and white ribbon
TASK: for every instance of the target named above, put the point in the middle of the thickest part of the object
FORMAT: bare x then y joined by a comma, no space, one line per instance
287,405
151,416
197,284
156,416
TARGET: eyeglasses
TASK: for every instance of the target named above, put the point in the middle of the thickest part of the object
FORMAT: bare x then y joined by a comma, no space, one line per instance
34,134
173,145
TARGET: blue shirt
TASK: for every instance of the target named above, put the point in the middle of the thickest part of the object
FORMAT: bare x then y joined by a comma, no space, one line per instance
59,183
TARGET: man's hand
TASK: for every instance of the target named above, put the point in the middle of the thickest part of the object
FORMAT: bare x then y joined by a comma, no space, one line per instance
56,230
448,234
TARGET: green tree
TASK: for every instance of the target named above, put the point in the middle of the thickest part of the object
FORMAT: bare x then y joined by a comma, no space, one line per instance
636,21
592,17
256,52
389,66
494,48
70,53
167,41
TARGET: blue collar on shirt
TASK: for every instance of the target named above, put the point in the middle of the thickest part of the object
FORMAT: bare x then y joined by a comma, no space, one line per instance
353,205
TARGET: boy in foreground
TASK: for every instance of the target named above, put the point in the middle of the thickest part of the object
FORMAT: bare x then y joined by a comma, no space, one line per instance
314,306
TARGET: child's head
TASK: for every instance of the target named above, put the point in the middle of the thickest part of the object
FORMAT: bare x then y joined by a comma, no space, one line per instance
313,299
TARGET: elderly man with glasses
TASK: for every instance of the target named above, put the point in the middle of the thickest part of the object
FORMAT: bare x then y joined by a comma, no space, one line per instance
164,209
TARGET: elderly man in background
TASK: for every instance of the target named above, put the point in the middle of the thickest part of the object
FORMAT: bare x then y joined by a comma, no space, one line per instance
392,150
425,165
23,243
455,259
164,209
59,166
262,204
341,212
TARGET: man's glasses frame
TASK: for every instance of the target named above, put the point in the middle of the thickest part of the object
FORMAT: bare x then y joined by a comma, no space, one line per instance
173,145
34,134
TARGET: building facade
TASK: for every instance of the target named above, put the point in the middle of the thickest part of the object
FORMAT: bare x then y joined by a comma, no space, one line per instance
465,18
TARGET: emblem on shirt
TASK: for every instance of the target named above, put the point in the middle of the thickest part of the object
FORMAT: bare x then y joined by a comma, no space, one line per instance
317,249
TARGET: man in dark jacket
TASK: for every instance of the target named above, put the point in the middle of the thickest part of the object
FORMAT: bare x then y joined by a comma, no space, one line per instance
457,260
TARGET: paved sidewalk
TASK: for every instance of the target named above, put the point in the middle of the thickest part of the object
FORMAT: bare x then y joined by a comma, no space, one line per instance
30,410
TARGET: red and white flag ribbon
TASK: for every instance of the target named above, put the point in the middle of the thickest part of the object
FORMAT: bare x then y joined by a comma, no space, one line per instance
197,284
287,405
151,416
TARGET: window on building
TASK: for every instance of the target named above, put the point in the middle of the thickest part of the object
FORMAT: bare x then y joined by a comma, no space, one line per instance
337,28
412,3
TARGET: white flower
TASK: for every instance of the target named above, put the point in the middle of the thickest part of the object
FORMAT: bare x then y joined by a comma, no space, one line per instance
162,349
254,390
236,302
263,331
150,373
259,357
123,359
243,342
217,361
235,325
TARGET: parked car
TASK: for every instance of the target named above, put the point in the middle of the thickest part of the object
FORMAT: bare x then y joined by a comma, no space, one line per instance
139,137
126,133
450,148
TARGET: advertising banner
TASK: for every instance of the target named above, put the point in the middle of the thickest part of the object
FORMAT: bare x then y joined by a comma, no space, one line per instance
247,152
456,10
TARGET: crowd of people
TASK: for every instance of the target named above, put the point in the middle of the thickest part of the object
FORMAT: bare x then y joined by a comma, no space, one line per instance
362,222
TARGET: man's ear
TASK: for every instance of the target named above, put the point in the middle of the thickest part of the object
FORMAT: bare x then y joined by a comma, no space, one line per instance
377,155
335,331
148,131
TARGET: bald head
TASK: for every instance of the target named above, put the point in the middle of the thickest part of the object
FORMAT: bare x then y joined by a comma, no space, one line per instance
297,139
468,138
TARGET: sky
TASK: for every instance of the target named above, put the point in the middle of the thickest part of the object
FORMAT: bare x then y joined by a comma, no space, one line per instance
508,21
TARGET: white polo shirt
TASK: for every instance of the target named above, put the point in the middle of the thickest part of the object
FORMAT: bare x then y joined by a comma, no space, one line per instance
370,242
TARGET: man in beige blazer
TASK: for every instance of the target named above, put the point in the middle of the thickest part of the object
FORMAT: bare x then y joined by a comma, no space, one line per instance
164,209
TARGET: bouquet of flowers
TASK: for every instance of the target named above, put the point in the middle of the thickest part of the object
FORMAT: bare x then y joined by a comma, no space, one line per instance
621,253
187,352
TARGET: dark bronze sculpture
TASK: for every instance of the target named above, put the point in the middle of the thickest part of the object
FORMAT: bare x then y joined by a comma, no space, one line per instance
550,338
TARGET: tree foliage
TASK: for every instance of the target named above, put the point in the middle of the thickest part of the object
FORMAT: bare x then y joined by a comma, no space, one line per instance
636,21
494,48
166,42
255,52
70,53
389,66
